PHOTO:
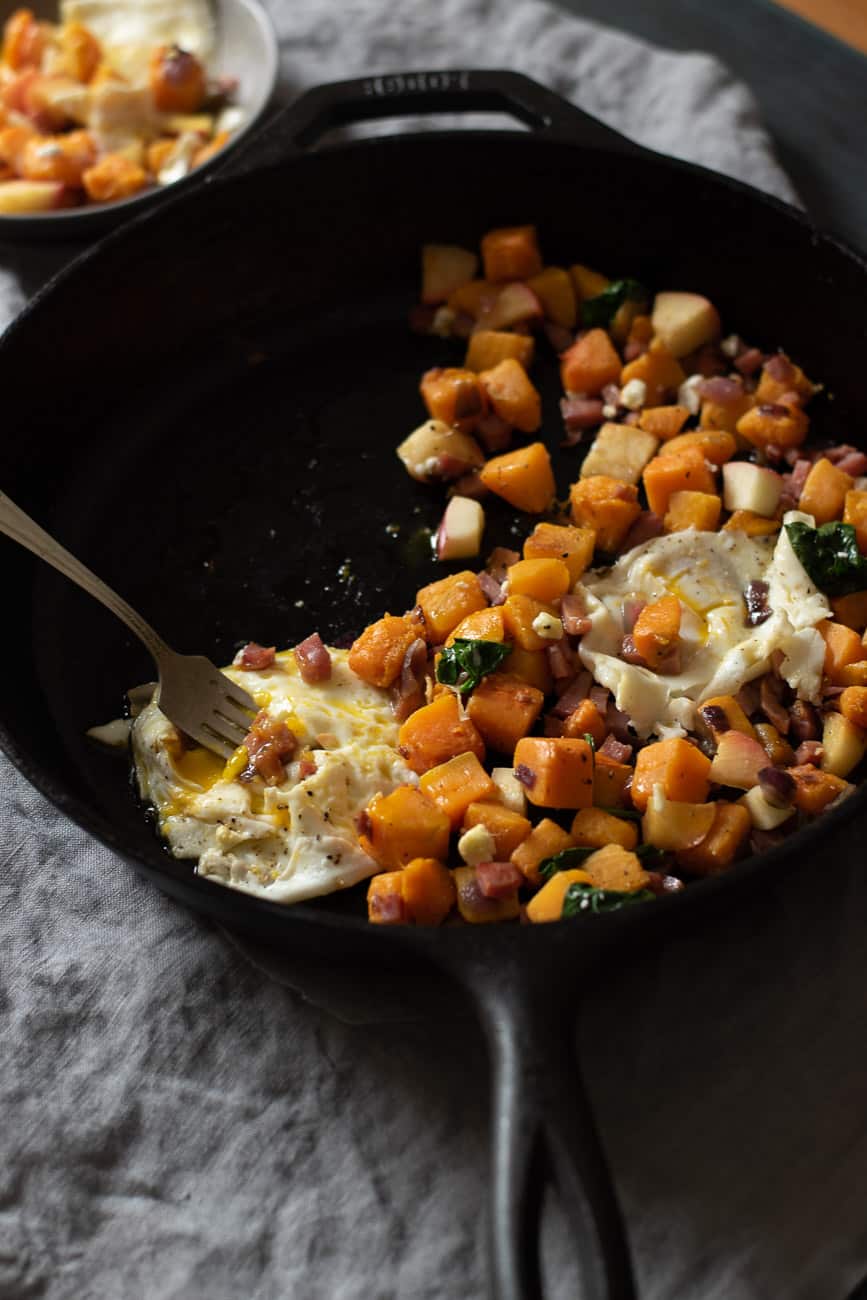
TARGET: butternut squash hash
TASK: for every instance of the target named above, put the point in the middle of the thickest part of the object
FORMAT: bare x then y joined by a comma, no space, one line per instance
670,676
99,110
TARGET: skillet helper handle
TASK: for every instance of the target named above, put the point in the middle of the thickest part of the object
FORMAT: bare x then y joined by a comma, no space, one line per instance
342,103
544,1128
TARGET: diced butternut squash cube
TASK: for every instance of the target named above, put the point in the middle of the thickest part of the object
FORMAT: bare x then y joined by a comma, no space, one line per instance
851,610
487,348
447,602
855,513
617,869
824,494
698,510
686,472
556,772
594,828
606,505
475,908
524,478
547,905
385,905
511,253
405,824
506,827
585,721
482,625
436,732
658,370
728,833
853,674
544,579
724,416
503,708
610,779
780,376
715,445
556,292
455,784
853,705
657,630
512,395
473,298
815,789
455,396
519,613
590,364
532,667
680,768
772,424
574,546
842,647
664,422
672,825
377,656
588,283
545,840
428,890
113,178
753,525
621,451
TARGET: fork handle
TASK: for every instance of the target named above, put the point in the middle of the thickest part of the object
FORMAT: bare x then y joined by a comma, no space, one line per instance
24,530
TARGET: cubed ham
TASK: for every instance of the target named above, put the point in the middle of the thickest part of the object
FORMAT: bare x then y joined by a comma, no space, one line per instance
255,657
313,660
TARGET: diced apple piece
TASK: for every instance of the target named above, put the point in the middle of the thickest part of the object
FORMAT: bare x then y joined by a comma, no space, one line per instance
511,793
436,452
738,761
675,826
751,487
843,743
514,303
460,532
621,451
684,321
766,815
444,268
18,197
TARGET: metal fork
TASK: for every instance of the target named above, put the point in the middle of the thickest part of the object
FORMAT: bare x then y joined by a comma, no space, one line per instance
193,693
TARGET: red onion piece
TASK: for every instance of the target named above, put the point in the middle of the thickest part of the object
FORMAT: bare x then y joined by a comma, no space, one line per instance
749,361
492,589
645,527
616,749
574,694
722,390
494,433
756,597
804,721
525,775
809,751
770,699
777,786
408,692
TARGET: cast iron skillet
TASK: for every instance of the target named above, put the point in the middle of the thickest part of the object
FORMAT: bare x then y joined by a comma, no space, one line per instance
259,321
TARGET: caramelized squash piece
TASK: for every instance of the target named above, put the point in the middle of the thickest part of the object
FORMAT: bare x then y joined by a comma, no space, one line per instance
594,828
680,768
436,732
607,506
585,721
504,708
507,828
771,423
855,513
657,630
547,905
519,613
715,445
728,833
842,648
447,602
610,780
574,546
406,824
697,510
177,80
664,422
483,625
524,478
853,705
512,395
815,789
544,579
455,396
556,292
455,784
616,868
545,840
487,348
428,890
511,253
377,655
824,494
556,772
661,372
685,472
590,364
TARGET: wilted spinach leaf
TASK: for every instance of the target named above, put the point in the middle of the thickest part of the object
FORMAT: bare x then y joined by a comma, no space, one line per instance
601,309
564,860
581,897
831,557
464,663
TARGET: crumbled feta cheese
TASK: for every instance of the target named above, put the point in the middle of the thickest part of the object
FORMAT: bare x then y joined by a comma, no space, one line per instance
730,346
634,394
476,845
441,325
548,626
687,394
114,734
609,411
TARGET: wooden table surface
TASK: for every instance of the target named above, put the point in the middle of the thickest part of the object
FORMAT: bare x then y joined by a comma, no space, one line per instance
845,19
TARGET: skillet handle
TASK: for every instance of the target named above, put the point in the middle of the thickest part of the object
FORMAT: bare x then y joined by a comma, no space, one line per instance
341,103
543,1128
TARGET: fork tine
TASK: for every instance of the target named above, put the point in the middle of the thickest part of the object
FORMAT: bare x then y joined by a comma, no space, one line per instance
213,740
227,723
238,696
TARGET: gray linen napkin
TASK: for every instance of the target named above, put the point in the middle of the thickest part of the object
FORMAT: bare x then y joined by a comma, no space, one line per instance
178,1122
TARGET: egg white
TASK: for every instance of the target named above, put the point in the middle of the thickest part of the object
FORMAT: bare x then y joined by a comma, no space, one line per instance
708,573
290,841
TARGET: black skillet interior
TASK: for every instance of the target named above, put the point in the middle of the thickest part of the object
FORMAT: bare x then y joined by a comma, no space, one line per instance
208,406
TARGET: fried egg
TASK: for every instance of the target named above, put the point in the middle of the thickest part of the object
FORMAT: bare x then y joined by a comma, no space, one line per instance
708,573
290,841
